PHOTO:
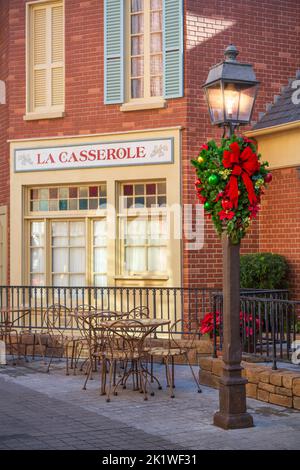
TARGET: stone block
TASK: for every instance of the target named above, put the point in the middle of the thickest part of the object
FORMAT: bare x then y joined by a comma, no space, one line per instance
27,338
263,395
251,390
209,379
267,387
296,389
288,378
252,374
217,367
265,376
276,378
281,400
296,403
283,391
206,363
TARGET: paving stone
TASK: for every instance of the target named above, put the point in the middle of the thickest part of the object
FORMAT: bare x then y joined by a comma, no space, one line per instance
73,419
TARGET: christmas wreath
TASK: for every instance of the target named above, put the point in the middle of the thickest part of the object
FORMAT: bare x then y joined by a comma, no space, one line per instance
230,182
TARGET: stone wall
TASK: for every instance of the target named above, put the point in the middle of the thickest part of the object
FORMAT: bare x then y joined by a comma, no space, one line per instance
279,387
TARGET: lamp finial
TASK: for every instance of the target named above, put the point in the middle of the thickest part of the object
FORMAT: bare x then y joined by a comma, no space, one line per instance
231,53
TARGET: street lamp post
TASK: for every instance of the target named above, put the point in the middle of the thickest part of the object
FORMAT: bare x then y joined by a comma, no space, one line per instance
231,90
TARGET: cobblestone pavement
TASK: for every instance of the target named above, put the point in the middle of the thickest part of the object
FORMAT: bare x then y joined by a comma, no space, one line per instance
51,411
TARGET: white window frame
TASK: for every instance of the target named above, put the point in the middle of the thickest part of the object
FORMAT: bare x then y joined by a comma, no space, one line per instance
147,101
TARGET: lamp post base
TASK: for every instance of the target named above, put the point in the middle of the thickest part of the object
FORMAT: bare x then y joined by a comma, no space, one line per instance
236,421
233,410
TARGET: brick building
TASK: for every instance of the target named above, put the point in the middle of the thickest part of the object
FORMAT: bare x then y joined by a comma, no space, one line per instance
93,90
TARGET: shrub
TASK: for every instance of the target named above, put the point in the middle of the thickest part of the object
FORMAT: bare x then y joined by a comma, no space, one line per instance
263,271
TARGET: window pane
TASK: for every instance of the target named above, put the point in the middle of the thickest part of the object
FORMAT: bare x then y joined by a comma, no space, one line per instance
60,280
37,260
137,24
156,21
60,241
137,5
137,67
157,259
77,280
44,194
37,280
156,42
59,229
156,86
156,64
100,229
135,259
37,234
77,229
156,4
63,193
137,45
100,260
137,88
100,281
60,260
77,260
136,233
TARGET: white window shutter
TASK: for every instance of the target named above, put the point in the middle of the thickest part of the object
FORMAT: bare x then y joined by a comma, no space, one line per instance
173,48
113,51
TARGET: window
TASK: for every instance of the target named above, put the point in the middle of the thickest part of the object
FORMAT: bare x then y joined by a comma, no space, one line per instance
144,235
45,59
68,198
68,235
146,48
151,47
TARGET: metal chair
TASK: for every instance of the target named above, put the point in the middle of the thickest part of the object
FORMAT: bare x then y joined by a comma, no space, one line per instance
62,333
139,312
175,348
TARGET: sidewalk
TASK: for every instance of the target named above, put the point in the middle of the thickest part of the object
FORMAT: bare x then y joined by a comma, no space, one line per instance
50,411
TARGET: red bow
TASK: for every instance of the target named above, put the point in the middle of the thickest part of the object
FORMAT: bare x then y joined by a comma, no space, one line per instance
243,164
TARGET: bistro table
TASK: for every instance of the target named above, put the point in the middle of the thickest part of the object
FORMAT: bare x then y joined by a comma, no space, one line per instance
134,333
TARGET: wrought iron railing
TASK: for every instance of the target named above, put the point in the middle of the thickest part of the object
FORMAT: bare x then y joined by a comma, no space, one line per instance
269,326
172,303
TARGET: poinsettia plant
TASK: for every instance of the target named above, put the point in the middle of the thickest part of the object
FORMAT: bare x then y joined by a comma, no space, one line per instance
230,182
212,321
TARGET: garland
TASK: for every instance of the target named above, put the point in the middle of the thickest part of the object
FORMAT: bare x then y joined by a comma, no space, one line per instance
231,181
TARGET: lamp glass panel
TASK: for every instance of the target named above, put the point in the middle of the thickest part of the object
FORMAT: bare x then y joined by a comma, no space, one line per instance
231,101
247,101
215,102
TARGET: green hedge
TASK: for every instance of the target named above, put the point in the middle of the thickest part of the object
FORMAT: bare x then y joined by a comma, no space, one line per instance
263,271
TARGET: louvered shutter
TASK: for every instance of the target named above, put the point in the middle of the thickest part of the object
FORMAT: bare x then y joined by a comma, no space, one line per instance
173,48
113,51
57,56
39,58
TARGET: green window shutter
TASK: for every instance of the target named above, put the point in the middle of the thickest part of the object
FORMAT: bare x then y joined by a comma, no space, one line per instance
113,51
173,48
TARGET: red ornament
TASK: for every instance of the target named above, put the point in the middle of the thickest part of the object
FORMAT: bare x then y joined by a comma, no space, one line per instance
268,178
204,147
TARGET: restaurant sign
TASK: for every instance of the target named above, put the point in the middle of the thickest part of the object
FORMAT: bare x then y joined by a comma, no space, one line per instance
95,155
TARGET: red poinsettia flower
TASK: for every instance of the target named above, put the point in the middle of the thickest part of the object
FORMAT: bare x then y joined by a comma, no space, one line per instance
226,215
227,205
254,211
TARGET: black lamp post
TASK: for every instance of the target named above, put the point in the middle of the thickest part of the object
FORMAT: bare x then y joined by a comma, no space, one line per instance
231,89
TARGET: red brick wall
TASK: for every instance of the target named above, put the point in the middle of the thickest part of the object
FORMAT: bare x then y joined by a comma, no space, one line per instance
267,33
4,173
280,222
